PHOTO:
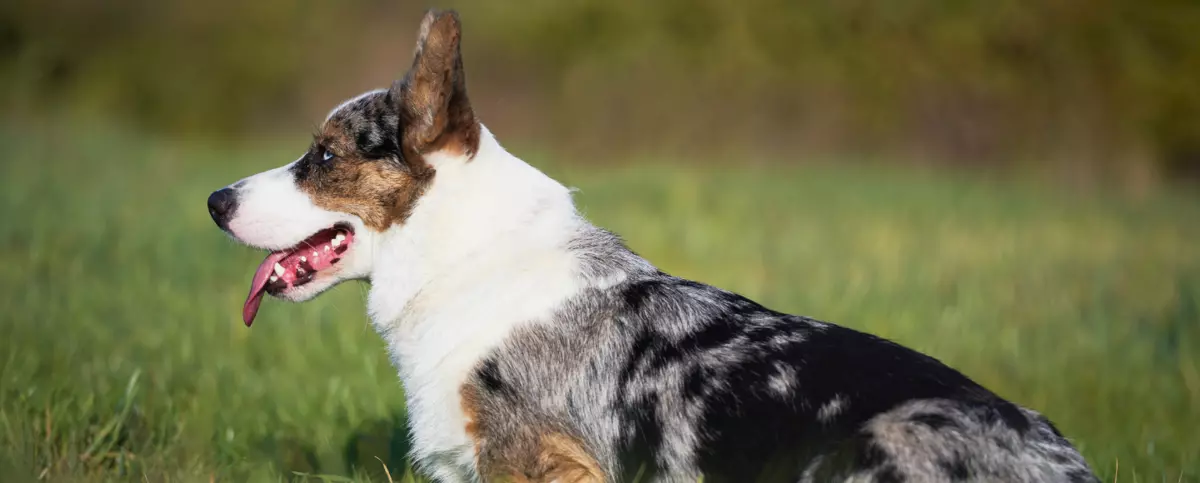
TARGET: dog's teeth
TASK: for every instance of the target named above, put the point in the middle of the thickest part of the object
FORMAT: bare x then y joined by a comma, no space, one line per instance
340,237
274,279
314,254
326,247
278,269
335,242
303,259
299,271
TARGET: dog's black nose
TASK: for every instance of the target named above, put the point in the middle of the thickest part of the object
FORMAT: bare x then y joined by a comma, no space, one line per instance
221,204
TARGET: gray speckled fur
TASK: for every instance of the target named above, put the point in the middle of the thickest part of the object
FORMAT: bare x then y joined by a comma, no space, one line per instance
677,380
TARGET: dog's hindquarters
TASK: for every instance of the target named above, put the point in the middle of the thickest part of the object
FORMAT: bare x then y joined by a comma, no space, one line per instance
952,441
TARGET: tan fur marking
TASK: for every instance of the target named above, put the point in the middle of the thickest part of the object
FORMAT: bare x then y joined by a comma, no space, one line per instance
525,455
565,460
379,192
469,400
558,459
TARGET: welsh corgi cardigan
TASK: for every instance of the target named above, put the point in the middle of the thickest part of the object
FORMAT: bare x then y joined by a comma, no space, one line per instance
535,347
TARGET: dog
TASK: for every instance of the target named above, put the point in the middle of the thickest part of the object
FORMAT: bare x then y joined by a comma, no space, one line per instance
534,346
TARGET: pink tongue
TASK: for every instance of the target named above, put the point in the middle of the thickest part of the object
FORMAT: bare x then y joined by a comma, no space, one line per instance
258,286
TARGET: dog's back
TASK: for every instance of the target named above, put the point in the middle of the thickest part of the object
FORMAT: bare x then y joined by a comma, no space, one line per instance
674,379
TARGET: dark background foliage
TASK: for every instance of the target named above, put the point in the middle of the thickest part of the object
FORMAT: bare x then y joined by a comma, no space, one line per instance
1089,88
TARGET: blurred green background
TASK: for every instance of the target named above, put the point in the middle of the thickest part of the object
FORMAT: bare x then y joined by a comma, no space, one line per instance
1008,186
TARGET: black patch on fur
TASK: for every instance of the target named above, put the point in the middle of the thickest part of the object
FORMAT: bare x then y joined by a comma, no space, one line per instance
304,166
868,453
1000,412
644,443
934,421
636,294
888,474
489,375
388,137
362,140
956,469
696,384
1012,416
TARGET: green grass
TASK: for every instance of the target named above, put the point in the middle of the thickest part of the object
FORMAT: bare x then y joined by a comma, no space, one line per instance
122,354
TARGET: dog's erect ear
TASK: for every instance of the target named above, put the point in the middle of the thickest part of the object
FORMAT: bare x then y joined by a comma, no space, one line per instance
433,94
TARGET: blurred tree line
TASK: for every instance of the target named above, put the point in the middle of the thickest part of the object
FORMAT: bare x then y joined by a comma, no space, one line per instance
1095,86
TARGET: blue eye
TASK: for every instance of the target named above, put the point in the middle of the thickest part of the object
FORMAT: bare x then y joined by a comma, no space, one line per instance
327,156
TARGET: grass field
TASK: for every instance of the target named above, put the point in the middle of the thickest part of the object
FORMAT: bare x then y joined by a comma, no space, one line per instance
122,353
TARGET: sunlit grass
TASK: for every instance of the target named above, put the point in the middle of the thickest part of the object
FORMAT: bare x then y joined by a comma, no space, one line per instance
122,354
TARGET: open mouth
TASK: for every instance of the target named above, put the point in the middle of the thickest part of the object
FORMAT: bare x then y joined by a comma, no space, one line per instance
296,266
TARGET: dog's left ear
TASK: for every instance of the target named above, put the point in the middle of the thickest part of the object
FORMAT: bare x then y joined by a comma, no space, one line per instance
433,95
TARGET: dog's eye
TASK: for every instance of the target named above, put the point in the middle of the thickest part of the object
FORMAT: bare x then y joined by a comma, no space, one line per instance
327,156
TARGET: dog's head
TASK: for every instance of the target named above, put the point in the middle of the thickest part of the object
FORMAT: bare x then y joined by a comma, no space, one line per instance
363,175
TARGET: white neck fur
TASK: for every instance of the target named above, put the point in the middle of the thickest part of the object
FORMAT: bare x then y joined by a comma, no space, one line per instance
484,252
